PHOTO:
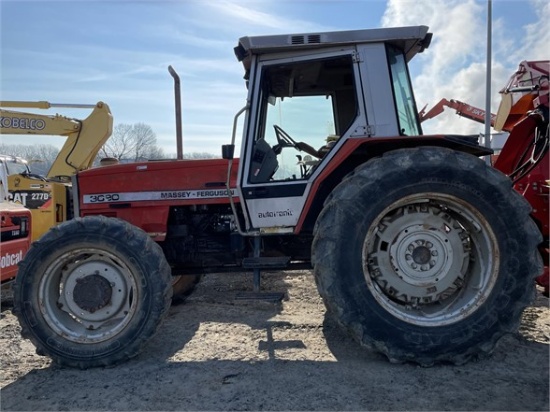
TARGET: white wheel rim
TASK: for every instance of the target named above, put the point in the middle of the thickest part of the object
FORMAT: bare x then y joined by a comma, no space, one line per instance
88,295
430,259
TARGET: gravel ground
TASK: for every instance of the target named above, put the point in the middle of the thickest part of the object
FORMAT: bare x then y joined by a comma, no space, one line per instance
217,353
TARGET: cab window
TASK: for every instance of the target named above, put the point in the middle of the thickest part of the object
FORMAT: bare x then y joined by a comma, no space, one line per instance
305,107
403,94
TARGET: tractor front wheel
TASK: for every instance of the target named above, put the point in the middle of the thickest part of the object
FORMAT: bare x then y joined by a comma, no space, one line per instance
91,291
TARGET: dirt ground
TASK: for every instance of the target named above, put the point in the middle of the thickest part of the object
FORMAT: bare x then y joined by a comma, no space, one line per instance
217,353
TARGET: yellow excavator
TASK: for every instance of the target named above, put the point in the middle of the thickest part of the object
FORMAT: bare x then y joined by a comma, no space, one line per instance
49,197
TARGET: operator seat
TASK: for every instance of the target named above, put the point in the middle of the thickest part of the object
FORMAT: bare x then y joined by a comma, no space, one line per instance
264,162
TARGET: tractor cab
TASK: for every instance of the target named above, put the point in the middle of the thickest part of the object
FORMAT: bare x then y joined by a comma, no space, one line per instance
308,96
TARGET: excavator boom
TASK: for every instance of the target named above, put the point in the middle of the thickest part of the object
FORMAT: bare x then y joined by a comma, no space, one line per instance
84,137
462,109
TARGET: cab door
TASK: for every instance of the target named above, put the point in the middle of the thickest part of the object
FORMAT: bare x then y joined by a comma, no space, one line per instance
302,109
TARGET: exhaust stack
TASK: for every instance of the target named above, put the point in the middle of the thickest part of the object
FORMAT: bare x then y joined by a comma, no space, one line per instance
177,94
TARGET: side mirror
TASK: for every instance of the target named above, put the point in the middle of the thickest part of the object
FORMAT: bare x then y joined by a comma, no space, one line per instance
228,151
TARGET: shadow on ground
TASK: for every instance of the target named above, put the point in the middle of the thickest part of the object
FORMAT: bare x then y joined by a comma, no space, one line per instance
281,369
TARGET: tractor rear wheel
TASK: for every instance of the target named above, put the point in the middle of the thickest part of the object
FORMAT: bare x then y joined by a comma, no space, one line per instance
426,255
91,291
183,286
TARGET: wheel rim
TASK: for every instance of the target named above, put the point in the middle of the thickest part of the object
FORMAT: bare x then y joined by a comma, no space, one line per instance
430,259
88,295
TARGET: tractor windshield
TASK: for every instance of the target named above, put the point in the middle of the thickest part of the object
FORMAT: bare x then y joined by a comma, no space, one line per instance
403,95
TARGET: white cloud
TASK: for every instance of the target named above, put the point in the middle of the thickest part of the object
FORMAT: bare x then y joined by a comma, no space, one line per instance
242,14
453,67
535,44
249,15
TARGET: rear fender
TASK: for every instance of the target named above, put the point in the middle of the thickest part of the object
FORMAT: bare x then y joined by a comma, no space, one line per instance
355,152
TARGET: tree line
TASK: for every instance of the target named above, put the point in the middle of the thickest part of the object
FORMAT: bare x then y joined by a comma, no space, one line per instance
128,143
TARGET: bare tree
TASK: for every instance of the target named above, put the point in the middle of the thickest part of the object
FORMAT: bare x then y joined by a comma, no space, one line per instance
145,140
200,155
132,142
41,157
192,155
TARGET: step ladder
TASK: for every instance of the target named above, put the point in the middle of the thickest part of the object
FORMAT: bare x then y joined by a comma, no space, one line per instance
259,263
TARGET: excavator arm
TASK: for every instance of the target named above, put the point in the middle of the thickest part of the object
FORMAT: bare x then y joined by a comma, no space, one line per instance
84,137
462,109
526,90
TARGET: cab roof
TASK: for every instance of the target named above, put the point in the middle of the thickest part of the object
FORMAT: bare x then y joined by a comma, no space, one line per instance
410,39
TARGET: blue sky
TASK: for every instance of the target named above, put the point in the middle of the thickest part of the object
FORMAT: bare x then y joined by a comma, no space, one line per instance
118,52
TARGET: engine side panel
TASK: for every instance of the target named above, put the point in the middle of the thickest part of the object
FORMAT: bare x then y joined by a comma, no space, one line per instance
143,193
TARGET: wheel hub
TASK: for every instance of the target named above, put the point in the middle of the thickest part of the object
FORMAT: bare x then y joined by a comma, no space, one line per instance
95,291
92,292
419,255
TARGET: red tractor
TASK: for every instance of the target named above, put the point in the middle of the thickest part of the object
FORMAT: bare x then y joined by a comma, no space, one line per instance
420,250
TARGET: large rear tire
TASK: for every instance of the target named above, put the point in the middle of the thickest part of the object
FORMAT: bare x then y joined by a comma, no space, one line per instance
426,255
92,291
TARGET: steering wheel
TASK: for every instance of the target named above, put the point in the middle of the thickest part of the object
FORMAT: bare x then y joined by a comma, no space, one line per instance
283,138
